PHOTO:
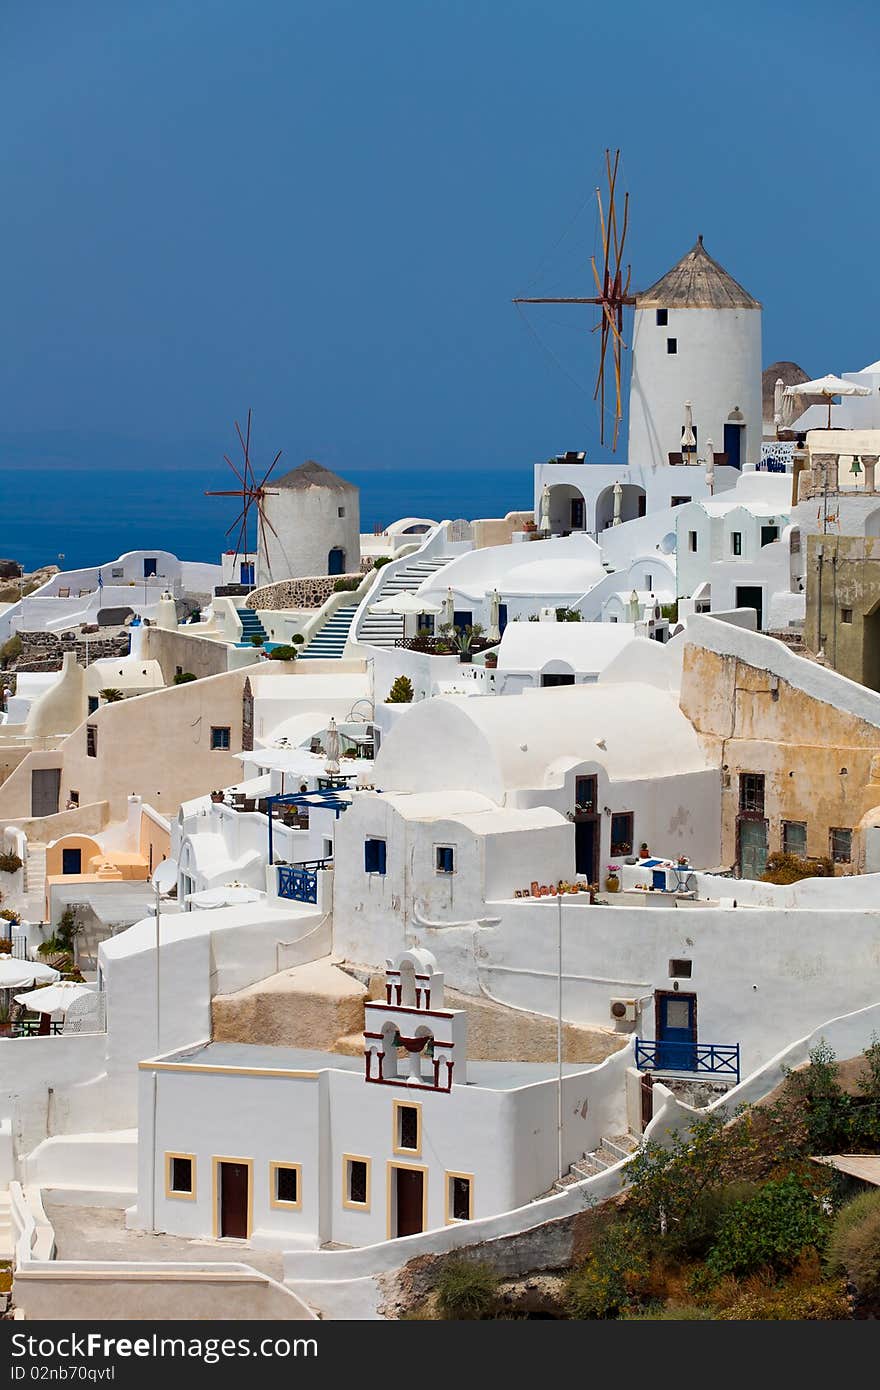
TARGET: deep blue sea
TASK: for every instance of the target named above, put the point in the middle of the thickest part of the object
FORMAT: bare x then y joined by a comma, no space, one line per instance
92,515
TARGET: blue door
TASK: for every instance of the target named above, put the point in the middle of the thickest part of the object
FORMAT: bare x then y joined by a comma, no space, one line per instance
676,1031
71,861
150,567
462,619
733,445
247,572
502,617
336,561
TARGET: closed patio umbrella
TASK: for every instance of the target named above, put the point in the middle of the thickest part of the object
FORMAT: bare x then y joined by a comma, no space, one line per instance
493,631
448,609
617,491
710,466
331,747
688,438
544,524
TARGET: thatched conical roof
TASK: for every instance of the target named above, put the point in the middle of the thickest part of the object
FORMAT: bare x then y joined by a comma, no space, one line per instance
696,282
312,474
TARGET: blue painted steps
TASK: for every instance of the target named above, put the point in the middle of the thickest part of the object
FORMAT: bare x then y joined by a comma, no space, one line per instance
328,643
250,626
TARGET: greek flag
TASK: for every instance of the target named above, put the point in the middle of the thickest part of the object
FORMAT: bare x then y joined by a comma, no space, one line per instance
100,580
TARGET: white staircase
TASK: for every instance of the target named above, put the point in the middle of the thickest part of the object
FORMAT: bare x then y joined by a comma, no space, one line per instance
35,882
329,641
383,629
611,1150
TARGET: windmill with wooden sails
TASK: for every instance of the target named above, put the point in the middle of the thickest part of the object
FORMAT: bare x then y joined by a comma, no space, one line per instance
612,297
253,495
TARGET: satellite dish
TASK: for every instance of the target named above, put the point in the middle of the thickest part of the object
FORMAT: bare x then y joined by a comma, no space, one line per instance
667,545
165,876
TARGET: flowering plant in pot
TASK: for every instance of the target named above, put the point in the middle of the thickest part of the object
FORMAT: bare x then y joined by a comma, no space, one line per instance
612,881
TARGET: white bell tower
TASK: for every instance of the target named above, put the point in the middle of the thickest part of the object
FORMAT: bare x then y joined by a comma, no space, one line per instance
413,1017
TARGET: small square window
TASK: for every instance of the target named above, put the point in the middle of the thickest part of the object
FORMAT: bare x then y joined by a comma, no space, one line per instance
117,573
92,740
662,318
445,859
181,1175
622,833
285,1184
356,1182
340,511
751,792
692,542
769,534
672,346
846,615
459,1197
220,737
680,969
736,543
374,856
678,501
841,845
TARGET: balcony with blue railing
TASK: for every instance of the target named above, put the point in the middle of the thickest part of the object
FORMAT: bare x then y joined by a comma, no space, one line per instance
720,1060
299,882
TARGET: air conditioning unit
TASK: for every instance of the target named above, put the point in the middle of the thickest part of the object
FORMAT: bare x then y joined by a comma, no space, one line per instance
625,1010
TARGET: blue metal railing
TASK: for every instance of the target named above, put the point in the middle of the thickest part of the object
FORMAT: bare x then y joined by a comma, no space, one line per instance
300,881
716,1059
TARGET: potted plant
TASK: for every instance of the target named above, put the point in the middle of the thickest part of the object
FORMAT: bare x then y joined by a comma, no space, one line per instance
462,639
644,852
217,797
491,661
612,881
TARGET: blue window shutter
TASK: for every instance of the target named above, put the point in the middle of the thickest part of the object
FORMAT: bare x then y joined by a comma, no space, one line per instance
380,868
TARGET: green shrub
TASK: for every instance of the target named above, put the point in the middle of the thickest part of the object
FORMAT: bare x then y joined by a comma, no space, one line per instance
257,640
297,639
769,1230
9,862
184,678
611,1276
283,653
346,586
782,868
820,1303
10,650
854,1244
466,1290
669,1312
568,615
381,560
401,692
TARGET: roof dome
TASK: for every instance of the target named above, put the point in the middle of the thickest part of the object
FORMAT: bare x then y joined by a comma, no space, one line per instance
696,282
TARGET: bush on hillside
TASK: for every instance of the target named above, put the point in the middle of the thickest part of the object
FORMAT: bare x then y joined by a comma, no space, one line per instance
283,653
346,586
466,1290
611,1277
854,1244
10,650
769,1230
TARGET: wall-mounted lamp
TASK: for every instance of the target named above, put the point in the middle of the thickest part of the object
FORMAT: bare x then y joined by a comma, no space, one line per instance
607,810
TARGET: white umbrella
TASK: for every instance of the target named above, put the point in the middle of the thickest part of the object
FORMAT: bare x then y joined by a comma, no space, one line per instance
618,498
331,747
405,604
19,974
228,896
710,466
54,999
493,631
778,400
688,438
544,526
827,386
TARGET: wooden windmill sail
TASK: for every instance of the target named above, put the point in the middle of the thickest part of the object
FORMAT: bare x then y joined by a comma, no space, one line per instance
252,494
612,295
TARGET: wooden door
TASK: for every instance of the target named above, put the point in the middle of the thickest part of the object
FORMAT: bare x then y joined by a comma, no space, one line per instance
753,848
676,1030
410,1191
234,1199
586,847
45,790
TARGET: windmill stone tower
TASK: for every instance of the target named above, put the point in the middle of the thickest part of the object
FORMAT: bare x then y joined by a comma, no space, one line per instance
312,526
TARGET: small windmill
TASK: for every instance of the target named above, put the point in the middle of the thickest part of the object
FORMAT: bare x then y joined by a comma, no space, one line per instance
252,494
612,294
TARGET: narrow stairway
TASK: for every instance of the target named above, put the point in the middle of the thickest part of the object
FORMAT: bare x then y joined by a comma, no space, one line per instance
250,626
611,1150
383,629
329,641
35,882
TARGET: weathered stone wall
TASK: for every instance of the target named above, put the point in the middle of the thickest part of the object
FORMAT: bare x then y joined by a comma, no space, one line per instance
43,651
297,593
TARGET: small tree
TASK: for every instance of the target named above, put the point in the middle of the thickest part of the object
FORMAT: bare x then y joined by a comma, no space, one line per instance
401,692
111,695
184,678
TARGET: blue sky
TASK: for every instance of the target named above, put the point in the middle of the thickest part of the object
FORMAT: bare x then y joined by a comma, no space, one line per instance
323,209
